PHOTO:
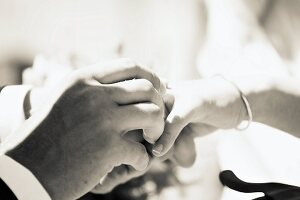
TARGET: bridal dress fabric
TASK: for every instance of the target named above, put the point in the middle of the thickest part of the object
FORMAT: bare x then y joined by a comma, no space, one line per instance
260,154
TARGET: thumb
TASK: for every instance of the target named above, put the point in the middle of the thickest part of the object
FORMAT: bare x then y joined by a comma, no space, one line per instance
178,118
135,155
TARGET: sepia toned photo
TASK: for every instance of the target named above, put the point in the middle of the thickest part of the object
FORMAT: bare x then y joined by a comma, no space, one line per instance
150,100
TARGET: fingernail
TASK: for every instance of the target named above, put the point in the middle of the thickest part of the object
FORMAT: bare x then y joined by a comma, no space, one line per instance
157,150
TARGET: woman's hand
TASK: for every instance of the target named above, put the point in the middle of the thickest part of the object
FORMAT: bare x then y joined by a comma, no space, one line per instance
199,107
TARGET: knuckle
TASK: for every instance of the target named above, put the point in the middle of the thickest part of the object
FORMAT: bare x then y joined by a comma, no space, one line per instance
136,68
141,154
108,90
162,112
139,149
114,91
176,119
155,79
157,112
87,96
147,86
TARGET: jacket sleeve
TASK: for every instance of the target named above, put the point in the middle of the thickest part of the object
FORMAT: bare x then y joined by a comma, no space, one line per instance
18,178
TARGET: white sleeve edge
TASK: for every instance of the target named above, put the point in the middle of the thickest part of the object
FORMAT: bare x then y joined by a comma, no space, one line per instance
11,109
21,181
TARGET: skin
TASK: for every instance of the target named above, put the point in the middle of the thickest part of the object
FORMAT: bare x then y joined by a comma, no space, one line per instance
202,106
69,147
183,153
183,150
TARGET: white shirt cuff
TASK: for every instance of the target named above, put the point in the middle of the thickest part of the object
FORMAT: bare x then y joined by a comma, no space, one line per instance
11,109
18,178
21,181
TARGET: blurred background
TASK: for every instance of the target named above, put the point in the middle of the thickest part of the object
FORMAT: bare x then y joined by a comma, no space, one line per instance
42,40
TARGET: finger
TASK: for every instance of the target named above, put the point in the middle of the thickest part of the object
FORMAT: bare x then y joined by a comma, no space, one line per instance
169,99
124,69
168,156
178,118
134,154
139,90
134,135
143,116
185,149
119,175
135,91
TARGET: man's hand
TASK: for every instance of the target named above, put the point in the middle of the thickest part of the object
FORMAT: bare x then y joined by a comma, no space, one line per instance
183,153
80,139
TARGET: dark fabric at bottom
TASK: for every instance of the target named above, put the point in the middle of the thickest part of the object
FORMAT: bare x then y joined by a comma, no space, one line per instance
272,191
5,192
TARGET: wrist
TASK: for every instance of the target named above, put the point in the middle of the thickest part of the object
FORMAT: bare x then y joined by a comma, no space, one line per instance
27,157
32,147
238,103
256,90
